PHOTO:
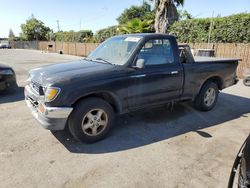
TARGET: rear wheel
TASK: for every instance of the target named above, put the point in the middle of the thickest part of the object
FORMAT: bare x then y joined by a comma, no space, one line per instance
207,97
91,120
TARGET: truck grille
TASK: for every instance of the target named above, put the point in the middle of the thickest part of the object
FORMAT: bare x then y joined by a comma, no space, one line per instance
35,86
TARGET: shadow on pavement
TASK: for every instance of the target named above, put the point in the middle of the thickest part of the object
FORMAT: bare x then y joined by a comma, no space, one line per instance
146,127
13,95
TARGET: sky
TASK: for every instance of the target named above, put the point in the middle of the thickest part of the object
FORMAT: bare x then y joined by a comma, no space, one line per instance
96,14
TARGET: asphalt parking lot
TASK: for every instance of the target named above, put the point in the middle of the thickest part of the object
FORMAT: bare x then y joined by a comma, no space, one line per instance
156,148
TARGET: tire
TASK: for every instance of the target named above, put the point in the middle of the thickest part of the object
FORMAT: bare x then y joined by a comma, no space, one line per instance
246,82
91,120
243,182
202,101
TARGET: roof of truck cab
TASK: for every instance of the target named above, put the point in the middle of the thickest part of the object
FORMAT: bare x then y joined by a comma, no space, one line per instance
147,35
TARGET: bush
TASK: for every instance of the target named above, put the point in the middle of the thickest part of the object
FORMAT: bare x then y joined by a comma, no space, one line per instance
231,29
72,36
105,33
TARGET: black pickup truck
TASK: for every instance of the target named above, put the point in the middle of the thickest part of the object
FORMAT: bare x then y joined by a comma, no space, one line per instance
123,74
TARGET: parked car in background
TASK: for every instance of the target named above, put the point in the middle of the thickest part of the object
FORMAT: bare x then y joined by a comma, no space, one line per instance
7,78
5,44
125,73
246,77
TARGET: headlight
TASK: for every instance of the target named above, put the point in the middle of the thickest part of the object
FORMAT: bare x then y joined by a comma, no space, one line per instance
6,72
51,93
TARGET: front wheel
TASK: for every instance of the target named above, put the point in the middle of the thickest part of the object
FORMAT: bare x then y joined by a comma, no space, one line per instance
243,180
91,120
207,97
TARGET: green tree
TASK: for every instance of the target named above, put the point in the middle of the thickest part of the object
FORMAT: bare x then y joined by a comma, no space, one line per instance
105,33
166,14
142,12
184,15
136,26
35,29
11,35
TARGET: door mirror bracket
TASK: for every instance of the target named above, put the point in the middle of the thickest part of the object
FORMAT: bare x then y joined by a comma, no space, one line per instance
140,64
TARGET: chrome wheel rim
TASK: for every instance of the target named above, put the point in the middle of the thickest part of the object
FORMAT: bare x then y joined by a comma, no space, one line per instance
210,97
94,122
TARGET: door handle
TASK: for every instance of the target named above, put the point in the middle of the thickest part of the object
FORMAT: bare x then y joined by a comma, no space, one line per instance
138,76
174,72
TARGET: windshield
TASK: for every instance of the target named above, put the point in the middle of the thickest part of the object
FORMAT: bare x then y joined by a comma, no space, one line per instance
115,50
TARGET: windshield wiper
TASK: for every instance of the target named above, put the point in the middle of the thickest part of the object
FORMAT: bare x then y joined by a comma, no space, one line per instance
103,60
87,58
99,59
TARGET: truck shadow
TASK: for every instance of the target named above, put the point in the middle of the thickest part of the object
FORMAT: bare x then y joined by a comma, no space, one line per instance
146,127
14,95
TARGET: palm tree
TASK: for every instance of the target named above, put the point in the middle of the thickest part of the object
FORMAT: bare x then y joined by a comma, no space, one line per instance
166,14
136,26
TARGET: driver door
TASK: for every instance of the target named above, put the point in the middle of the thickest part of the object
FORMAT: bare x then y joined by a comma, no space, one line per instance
161,78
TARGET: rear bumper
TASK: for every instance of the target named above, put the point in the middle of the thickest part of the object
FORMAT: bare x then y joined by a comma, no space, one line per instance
7,82
236,80
52,118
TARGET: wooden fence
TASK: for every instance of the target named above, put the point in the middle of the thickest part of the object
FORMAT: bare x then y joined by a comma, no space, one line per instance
234,50
71,48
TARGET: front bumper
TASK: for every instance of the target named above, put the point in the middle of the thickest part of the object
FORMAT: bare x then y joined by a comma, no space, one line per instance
52,118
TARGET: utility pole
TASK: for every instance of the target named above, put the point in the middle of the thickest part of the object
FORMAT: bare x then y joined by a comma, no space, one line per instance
58,25
210,28
80,24
79,35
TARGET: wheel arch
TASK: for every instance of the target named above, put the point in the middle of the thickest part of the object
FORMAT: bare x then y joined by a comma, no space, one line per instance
216,79
106,96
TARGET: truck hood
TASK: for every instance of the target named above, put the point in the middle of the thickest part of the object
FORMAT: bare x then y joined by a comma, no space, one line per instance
65,72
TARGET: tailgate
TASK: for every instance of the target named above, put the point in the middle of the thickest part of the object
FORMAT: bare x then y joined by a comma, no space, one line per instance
201,59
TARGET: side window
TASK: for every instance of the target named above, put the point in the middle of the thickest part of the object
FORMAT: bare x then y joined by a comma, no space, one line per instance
156,52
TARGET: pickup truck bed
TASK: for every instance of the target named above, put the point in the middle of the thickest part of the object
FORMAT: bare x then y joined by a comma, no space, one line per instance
201,59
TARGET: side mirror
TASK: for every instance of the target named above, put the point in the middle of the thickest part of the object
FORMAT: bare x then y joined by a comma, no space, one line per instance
140,64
